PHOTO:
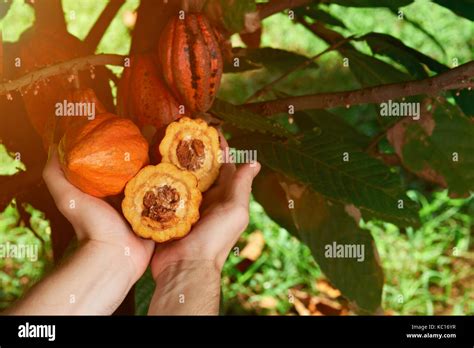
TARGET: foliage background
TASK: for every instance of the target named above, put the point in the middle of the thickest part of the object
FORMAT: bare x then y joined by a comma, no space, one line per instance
428,270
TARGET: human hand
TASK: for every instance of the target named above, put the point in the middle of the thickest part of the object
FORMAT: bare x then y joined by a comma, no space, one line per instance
224,216
97,222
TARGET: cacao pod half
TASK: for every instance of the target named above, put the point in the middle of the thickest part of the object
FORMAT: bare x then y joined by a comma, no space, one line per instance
162,202
191,61
143,97
193,146
101,156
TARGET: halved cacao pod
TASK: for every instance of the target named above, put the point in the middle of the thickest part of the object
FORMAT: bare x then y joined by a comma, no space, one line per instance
194,146
191,61
101,156
162,202
144,97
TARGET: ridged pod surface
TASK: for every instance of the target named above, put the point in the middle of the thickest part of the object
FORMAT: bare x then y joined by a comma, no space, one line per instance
143,96
191,61
101,156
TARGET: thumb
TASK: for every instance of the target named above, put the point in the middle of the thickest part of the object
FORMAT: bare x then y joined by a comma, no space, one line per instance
66,196
241,186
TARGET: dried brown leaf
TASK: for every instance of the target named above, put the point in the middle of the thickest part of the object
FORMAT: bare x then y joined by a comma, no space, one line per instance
254,247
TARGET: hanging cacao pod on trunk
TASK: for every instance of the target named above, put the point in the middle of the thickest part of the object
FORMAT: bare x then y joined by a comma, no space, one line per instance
191,61
39,47
82,103
143,96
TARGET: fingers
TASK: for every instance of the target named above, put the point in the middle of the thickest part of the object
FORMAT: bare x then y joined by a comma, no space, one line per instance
241,187
226,174
65,195
227,169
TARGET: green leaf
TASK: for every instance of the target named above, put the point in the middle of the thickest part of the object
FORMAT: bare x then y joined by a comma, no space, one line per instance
412,59
463,8
394,4
422,29
325,227
4,7
9,218
393,48
320,223
8,164
333,124
231,13
244,64
319,15
318,162
453,134
370,71
273,59
144,292
247,120
276,203
465,100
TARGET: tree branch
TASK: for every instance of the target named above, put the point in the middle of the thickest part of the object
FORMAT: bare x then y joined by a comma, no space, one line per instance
50,14
100,26
457,78
274,6
302,65
61,68
1,54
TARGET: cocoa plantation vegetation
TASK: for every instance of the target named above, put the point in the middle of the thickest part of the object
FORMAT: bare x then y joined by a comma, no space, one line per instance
359,111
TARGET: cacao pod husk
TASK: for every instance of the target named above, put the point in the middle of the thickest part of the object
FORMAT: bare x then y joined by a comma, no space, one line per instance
191,61
143,97
101,156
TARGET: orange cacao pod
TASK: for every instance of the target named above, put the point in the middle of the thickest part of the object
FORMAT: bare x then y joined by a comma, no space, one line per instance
82,99
101,156
39,47
191,61
143,96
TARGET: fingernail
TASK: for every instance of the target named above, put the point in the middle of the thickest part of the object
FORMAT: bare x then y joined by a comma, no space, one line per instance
256,168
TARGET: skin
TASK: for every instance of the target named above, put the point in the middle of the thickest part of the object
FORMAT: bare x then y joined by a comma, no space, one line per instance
111,258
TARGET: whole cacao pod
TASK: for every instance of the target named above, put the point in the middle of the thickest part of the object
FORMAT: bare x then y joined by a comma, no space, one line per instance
191,61
143,96
101,156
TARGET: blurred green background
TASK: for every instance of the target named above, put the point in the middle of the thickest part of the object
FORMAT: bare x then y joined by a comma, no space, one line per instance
427,270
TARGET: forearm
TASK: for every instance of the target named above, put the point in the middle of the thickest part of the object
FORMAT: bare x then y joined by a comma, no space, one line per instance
187,288
94,280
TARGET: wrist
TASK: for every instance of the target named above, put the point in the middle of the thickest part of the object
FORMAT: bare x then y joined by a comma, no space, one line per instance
184,265
118,257
187,287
